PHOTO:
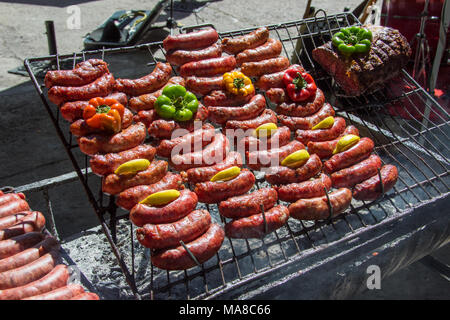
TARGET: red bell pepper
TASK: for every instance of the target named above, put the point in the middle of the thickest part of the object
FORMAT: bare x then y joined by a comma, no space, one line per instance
300,86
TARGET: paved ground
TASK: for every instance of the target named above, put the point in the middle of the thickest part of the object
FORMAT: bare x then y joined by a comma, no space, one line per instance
30,149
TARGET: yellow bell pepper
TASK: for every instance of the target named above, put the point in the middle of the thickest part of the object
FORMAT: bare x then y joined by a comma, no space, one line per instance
236,83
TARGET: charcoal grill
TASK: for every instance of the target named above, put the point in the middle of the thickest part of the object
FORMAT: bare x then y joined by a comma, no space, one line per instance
325,258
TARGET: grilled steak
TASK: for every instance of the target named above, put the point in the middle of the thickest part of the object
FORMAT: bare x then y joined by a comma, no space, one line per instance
389,53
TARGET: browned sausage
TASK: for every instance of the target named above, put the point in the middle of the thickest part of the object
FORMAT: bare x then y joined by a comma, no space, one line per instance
248,204
192,40
101,87
306,189
128,138
142,214
84,72
214,192
57,278
13,207
204,85
13,219
273,80
33,221
278,139
226,99
335,131
267,116
358,152
284,175
203,248
9,197
253,226
357,173
179,57
159,236
29,255
108,163
114,183
270,49
17,244
274,156
130,197
304,108
259,68
318,209
250,110
30,272
370,189
249,41
307,122
86,296
324,149
208,67
149,83
201,174
64,293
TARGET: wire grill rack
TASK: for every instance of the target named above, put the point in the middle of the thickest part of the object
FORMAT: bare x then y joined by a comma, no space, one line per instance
419,147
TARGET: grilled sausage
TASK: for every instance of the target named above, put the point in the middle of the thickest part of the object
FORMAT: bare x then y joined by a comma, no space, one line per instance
259,68
200,174
270,49
101,87
33,221
29,272
73,110
147,101
86,296
29,255
80,128
13,219
17,244
142,214
306,189
370,189
114,184
280,138
13,207
224,98
146,117
253,226
204,85
248,204
199,138
56,278
103,165
208,67
335,131
324,149
273,80
277,95
267,116
129,138
249,41
274,156
250,110
149,83
318,209
304,108
357,173
192,40
180,57
159,236
213,153
203,248
130,197
9,197
214,192
284,175
307,122
84,72
357,153
64,293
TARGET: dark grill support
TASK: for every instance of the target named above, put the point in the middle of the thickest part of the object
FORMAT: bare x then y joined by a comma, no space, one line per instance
246,268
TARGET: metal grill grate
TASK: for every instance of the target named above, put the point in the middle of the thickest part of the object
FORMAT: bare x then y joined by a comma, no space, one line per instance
419,148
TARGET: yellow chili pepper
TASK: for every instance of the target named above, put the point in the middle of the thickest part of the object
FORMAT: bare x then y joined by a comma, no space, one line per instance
324,124
238,83
226,174
296,159
161,198
265,130
346,142
132,166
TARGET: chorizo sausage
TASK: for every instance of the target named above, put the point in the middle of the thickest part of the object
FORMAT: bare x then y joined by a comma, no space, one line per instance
208,67
304,108
9,197
370,189
280,138
267,116
273,156
192,40
307,122
271,49
33,221
324,149
250,110
249,41
226,99
17,244
64,293
273,80
259,68
335,131
13,219
284,175
13,207
306,189
86,296
204,85
357,173
179,57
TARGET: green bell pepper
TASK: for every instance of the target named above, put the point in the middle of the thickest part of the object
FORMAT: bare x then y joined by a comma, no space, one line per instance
352,40
176,103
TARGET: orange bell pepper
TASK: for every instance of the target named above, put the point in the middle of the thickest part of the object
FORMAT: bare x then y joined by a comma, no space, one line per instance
104,114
